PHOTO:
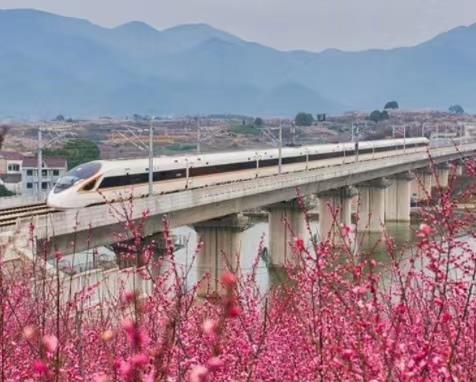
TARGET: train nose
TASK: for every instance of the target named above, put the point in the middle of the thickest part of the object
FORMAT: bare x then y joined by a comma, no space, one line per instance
57,200
51,200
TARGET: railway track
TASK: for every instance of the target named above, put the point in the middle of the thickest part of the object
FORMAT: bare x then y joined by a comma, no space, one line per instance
9,216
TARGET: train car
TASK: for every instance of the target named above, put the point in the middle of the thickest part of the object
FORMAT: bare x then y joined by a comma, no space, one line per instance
108,181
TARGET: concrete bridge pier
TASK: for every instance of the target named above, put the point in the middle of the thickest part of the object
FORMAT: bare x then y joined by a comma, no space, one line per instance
459,167
398,198
421,185
372,205
287,221
220,250
335,209
443,173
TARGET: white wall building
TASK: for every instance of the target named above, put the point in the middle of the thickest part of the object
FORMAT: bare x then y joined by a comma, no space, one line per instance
52,169
11,171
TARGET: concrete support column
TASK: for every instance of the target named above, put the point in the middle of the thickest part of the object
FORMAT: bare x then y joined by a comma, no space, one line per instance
421,186
286,221
372,205
220,249
398,198
443,173
459,168
335,209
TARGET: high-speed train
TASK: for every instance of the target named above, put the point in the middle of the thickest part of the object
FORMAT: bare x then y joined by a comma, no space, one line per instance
108,181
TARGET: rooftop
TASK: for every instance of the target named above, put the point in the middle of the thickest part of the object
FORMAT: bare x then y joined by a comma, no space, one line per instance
10,178
11,155
50,162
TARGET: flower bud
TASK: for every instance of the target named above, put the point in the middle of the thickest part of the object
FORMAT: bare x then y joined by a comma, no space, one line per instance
107,335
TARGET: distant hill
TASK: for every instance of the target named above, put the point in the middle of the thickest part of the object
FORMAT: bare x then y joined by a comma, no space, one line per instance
51,64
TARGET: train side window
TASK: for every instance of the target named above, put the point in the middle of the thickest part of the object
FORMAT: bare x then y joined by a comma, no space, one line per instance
113,181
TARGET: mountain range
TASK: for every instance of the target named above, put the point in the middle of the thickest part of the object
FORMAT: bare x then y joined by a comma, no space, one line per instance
51,64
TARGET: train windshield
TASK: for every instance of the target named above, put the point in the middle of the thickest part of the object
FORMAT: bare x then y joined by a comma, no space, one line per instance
83,171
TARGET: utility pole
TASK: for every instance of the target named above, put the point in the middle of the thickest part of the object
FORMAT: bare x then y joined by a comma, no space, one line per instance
280,148
151,158
198,136
40,163
404,138
357,134
352,132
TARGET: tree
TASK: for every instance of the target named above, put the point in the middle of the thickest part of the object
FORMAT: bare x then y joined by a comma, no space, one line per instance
76,152
5,192
391,105
304,119
378,116
258,122
456,109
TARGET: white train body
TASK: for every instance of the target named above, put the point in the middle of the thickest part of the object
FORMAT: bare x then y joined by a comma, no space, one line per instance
109,181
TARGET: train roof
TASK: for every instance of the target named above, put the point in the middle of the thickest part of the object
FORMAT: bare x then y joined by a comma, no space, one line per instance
194,160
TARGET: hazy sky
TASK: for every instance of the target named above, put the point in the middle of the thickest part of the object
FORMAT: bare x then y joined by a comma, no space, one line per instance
284,24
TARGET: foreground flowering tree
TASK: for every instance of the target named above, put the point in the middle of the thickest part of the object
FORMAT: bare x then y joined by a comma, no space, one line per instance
339,316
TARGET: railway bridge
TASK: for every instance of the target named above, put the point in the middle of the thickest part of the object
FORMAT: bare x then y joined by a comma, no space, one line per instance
384,188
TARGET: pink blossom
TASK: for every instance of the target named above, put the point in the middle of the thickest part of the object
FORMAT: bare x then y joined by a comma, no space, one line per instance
198,373
102,377
107,335
209,326
135,334
346,230
129,297
39,367
125,369
139,360
228,280
214,363
234,311
50,342
299,244
425,230
340,316
29,332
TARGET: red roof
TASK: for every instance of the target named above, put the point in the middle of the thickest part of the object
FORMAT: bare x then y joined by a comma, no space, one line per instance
50,162
11,155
